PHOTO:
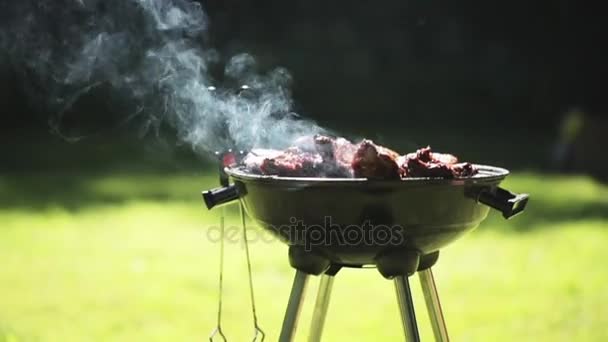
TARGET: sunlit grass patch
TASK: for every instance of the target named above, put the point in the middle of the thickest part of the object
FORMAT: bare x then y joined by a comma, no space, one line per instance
143,266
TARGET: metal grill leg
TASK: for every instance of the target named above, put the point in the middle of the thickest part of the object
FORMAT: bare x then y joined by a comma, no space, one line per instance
321,306
296,297
433,306
406,309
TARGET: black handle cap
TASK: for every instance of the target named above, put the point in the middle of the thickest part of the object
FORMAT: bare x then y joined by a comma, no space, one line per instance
510,204
219,196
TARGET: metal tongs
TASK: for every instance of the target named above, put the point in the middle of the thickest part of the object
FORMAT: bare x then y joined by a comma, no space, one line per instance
228,159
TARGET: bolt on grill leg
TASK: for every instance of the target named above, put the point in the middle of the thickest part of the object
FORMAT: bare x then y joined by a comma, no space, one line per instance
296,298
406,309
321,306
433,306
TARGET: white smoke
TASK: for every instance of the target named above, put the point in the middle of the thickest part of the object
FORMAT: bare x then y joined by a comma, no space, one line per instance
154,53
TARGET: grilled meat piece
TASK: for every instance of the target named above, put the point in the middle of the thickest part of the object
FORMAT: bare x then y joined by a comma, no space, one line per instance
318,156
463,170
344,151
425,163
444,158
426,155
337,154
416,167
375,162
253,160
324,145
292,163
323,156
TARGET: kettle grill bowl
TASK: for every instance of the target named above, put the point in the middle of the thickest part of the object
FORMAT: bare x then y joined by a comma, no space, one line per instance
342,219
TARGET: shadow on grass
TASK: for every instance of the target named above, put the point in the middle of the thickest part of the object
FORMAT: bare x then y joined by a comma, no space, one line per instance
80,191
542,215
554,199
101,173
36,175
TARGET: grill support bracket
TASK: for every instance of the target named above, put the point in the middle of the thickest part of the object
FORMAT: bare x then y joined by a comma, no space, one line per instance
402,289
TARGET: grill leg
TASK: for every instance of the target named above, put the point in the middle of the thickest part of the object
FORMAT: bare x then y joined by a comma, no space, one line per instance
320,311
296,297
406,308
433,306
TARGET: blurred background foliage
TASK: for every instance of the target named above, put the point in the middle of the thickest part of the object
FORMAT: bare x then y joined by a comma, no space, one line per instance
433,72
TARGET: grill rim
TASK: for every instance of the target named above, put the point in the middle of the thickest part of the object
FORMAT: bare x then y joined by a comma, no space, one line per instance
487,173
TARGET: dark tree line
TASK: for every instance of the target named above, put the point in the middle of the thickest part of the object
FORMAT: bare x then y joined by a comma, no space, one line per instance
403,60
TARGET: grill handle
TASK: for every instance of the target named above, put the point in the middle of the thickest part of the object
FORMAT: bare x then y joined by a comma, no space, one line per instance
219,196
508,203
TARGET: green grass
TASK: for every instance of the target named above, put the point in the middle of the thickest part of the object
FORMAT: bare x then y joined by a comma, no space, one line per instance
127,257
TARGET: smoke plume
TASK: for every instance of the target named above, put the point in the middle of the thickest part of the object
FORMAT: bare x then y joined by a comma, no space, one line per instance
154,53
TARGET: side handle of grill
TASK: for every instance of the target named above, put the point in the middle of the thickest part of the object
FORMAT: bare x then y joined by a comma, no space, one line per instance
508,203
218,196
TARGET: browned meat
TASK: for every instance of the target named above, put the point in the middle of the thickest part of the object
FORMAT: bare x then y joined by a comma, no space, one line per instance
313,157
323,156
344,151
426,155
416,167
253,160
444,158
425,163
375,162
324,145
292,163
464,170
337,154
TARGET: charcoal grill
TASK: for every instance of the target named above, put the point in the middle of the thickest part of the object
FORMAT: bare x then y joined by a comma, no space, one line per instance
327,224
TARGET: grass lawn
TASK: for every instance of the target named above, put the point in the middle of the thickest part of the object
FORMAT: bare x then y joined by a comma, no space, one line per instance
128,257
